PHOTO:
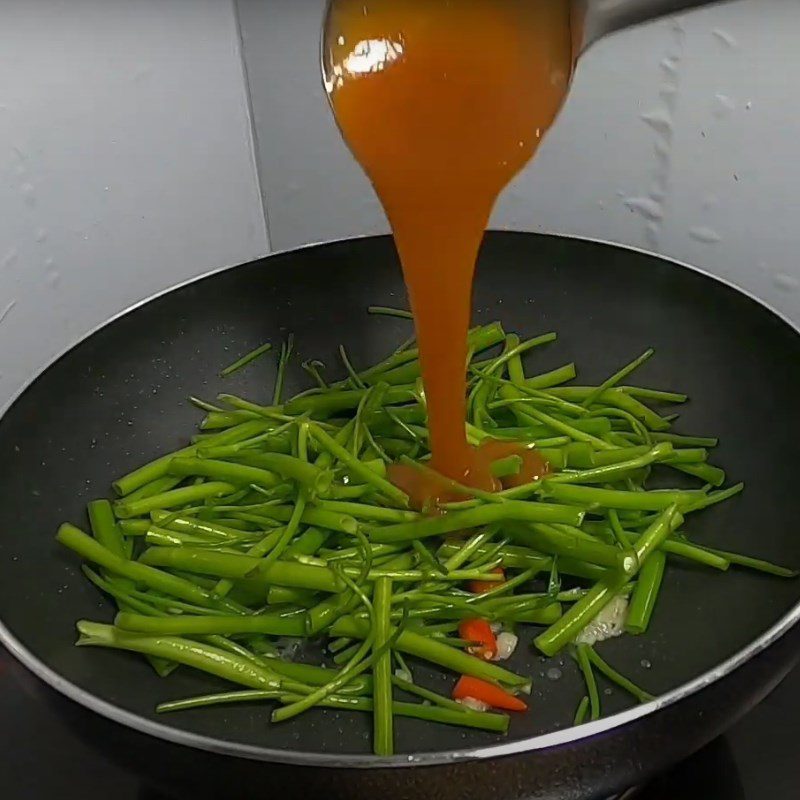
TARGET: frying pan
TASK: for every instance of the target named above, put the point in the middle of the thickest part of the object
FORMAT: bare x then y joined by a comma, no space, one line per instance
718,642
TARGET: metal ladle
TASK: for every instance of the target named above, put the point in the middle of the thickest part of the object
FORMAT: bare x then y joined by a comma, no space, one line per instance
595,19
601,17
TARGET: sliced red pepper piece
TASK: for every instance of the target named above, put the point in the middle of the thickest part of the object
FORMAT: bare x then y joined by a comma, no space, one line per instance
488,693
479,587
479,631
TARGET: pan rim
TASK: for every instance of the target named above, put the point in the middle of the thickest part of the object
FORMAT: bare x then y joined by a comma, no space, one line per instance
533,744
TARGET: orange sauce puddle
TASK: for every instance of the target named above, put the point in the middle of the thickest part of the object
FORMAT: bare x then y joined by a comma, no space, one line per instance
427,491
442,103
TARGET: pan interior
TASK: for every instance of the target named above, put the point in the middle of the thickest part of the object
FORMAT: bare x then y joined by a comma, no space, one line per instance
119,399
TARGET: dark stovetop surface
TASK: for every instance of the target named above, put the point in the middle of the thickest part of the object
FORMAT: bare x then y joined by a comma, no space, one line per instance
41,757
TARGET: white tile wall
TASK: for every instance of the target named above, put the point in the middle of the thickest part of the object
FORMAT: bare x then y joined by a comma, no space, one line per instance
127,160
125,163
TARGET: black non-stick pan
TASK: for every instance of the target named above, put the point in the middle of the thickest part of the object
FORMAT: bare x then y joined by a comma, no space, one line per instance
717,644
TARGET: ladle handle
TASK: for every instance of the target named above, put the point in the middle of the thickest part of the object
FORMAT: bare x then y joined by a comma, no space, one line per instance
601,17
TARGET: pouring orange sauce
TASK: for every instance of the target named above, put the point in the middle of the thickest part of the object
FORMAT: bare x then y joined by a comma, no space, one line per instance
443,102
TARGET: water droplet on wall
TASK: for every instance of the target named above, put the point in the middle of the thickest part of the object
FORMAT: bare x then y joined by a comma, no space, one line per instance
650,209
786,283
660,120
705,235
725,38
709,201
670,65
53,275
28,193
724,105
7,310
10,258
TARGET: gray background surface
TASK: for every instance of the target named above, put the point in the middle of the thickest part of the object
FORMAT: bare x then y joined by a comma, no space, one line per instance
143,143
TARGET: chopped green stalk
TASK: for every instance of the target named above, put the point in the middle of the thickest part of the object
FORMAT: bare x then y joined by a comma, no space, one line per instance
332,521
477,517
587,608
358,664
314,368
516,371
580,714
283,522
685,441
426,557
354,379
549,539
158,468
590,497
220,420
369,512
591,683
175,498
473,545
383,739
224,471
615,677
312,478
164,538
677,547
533,415
121,593
184,651
616,398
553,378
415,644
312,675
713,498
390,312
655,395
617,377
220,699
748,562
483,720
356,467
286,353
198,527
326,612
336,402
246,359
517,349
104,527
135,527
106,530
141,602
283,595
683,456
427,694
643,599
707,473
230,565
505,467
506,587
86,547
611,473
185,625
308,543
157,486
404,364
271,551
